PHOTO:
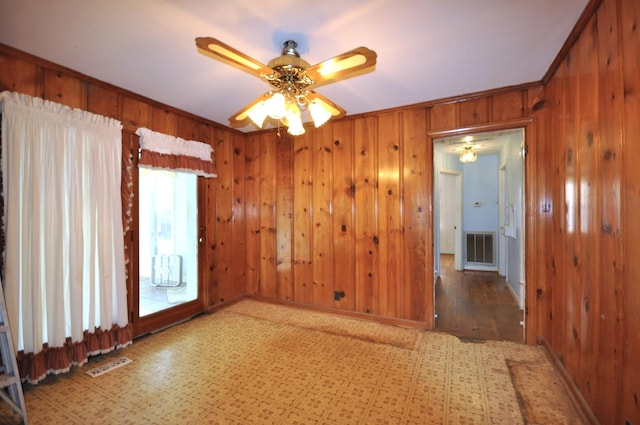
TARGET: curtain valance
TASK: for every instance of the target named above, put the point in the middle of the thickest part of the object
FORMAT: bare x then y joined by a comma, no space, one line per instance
75,118
158,150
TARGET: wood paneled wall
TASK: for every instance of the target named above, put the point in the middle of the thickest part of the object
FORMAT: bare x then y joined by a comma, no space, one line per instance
344,208
347,208
587,169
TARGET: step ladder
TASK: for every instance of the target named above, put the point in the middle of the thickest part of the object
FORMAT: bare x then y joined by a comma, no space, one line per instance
10,383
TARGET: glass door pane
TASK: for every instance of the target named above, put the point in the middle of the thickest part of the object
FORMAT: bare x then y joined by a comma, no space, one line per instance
168,244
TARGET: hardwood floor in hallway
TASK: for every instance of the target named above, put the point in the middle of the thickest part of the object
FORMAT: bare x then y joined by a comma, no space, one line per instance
476,305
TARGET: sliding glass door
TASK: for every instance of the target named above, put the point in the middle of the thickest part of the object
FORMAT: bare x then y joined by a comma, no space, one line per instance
167,246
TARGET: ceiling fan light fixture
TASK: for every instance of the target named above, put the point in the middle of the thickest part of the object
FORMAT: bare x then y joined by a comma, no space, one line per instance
291,113
468,154
293,118
287,108
258,113
275,106
296,128
293,121
319,114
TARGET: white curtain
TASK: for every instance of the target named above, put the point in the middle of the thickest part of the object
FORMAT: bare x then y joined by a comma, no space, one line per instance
64,253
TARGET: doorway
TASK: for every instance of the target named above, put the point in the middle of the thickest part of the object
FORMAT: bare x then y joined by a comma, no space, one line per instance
479,288
168,251
168,285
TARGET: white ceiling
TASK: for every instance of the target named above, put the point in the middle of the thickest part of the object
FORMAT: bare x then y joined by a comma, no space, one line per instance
427,49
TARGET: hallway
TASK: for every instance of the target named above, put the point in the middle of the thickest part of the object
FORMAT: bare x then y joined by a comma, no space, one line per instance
476,305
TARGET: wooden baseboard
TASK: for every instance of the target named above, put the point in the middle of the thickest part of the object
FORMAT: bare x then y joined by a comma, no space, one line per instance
404,323
226,303
576,396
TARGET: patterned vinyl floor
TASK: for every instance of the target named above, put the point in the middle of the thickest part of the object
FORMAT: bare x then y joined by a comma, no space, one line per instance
258,363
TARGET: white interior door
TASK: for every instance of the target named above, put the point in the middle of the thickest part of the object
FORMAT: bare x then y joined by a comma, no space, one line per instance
447,213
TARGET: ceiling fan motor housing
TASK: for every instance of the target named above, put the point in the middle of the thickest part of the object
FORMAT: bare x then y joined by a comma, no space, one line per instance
289,69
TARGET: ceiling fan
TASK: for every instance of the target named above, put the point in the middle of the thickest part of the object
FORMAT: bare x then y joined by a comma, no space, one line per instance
292,82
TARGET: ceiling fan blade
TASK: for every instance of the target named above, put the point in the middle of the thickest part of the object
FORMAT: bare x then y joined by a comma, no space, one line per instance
227,54
241,118
335,110
349,64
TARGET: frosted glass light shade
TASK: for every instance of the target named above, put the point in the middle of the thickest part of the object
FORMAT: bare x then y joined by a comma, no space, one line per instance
275,106
295,128
293,119
258,114
319,115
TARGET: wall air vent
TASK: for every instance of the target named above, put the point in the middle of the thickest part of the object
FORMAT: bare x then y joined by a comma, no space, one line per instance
480,248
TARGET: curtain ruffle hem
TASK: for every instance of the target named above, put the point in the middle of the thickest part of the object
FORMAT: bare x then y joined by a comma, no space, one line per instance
34,367
186,164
